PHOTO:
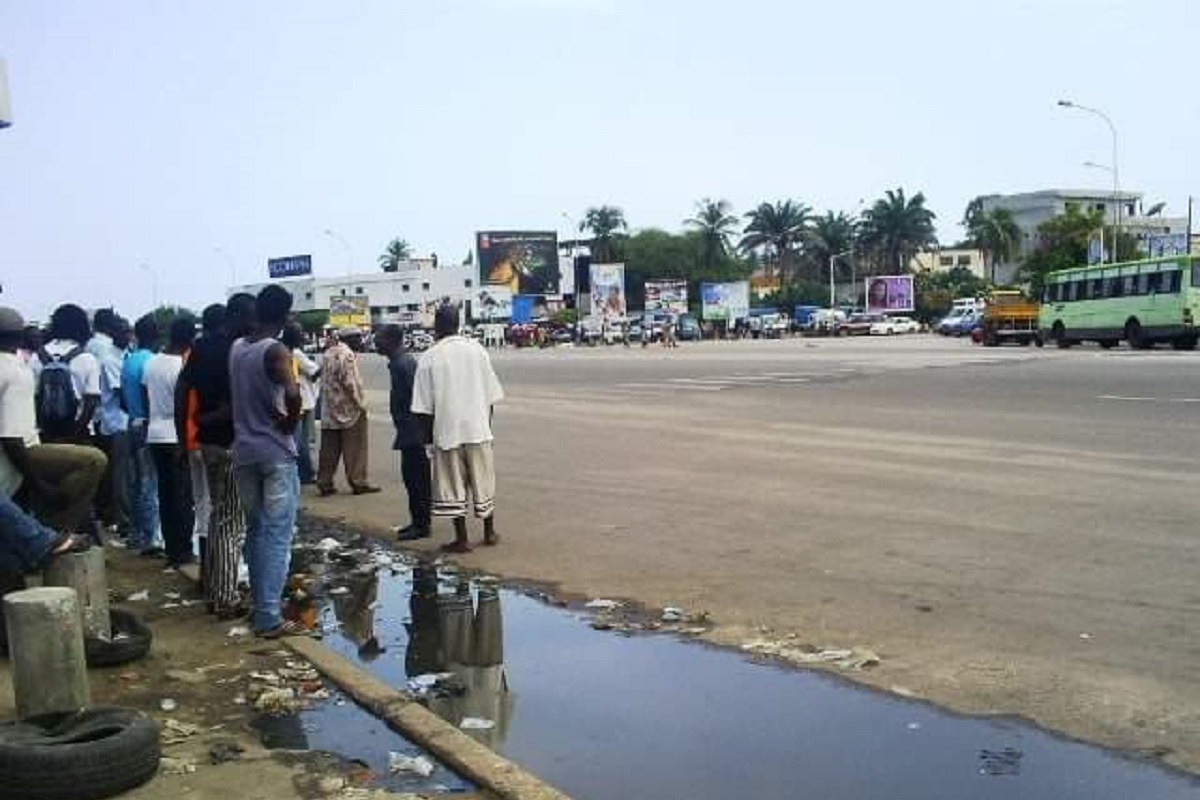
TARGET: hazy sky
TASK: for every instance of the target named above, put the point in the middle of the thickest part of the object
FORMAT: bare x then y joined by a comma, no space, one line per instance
152,132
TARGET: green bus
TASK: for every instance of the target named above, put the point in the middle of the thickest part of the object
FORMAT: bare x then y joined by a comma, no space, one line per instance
1143,302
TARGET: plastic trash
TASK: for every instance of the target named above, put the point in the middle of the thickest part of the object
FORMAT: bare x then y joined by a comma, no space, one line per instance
602,604
238,632
139,597
413,765
168,705
329,544
672,614
338,591
476,724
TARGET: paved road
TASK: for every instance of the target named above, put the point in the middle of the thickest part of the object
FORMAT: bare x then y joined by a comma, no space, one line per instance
1013,530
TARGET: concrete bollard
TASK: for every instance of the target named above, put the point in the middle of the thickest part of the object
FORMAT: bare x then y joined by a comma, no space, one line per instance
45,645
84,572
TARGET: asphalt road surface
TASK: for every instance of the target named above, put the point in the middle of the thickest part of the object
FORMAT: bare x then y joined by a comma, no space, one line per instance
1013,530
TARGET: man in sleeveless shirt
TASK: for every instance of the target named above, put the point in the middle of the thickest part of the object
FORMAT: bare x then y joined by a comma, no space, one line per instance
266,408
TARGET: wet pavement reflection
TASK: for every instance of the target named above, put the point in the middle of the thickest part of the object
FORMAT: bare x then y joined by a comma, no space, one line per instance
607,716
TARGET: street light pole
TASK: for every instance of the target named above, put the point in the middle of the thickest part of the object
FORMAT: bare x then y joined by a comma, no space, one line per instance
575,279
1116,202
832,258
337,237
1116,174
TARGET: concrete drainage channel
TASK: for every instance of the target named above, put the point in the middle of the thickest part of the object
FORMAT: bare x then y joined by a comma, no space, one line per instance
610,715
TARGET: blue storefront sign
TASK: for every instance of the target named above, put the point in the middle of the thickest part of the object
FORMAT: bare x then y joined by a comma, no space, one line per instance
289,266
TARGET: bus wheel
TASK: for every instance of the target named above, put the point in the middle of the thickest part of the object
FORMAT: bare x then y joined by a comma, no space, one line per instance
1184,342
1059,334
1107,344
1134,335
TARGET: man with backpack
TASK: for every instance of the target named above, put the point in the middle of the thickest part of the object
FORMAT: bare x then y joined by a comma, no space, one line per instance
57,482
68,379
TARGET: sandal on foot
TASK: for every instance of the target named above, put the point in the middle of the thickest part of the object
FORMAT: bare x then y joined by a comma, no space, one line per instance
286,628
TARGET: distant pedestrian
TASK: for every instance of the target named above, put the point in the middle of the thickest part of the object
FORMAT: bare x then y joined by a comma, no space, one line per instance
266,409
142,480
206,374
454,391
64,363
343,416
409,441
108,344
307,374
159,378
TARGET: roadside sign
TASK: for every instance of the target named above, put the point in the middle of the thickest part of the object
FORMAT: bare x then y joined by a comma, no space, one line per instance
289,266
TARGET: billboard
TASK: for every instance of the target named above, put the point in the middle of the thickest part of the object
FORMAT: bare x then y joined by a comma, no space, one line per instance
524,261
725,301
493,304
667,296
608,291
289,266
889,293
352,312
1158,245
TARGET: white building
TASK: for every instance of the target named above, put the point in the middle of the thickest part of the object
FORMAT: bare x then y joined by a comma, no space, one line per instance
418,287
1031,209
944,259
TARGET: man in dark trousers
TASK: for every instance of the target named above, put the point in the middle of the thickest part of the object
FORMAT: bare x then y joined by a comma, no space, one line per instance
414,463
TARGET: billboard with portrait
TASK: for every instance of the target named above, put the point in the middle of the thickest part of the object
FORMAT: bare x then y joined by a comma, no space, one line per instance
669,296
493,304
889,293
524,261
725,301
608,291
352,312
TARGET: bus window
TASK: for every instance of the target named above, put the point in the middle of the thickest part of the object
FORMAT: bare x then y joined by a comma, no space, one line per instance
1072,291
1143,284
1196,274
1127,285
1097,289
1112,287
1155,282
1170,282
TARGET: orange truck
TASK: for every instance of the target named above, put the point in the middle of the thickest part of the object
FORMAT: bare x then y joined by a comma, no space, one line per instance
1010,316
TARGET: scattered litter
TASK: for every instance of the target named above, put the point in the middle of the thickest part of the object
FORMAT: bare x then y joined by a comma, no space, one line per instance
903,691
139,597
1000,762
168,705
172,595
1085,636
338,591
328,545
186,676
853,659
224,751
169,605
414,765
331,785
438,684
277,702
603,605
240,700
914,726
176,766
476,724
176,732
299,673
672,614
267,677
238,632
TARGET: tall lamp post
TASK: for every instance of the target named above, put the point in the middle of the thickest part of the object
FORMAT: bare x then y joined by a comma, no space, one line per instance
832,259
1116,173
337,237
1116,203
575,276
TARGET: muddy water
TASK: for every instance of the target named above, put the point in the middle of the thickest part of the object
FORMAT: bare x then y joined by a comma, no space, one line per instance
610,717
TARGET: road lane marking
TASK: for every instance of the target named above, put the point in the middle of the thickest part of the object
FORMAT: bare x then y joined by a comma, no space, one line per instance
1127,399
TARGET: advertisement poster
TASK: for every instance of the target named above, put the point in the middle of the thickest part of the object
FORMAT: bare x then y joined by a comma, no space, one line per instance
608,291
889,293
352,312
493,304
289,266
1158,245
667,296
524,261
725,301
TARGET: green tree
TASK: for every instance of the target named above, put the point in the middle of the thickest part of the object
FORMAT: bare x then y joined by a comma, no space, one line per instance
313,321
936,291
653,253
995,233
397,252
605,223
896,228
780,227
831,234
1062,243
166,315
715,223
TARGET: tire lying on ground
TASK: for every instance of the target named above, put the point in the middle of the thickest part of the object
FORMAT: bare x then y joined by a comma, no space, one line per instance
84,755
130,641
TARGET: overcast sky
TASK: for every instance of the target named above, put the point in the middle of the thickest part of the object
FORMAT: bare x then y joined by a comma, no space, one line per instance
152,132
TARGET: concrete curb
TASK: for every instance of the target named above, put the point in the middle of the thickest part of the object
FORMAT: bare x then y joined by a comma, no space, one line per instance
493,773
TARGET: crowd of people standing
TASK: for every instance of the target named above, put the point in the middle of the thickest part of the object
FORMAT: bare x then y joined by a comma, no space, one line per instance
194,448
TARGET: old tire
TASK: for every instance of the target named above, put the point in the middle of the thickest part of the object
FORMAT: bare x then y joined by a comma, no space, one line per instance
84,755
131,641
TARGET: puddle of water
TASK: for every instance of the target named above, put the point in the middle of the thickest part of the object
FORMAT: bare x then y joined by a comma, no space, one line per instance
352,733
609,717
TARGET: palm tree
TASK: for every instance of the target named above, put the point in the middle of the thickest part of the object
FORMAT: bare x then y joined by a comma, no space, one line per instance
831,235
996,234
603,222
715,223
781,226
397,251
896,228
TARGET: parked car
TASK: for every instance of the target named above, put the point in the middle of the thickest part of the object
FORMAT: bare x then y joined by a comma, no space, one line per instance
859,324
964,324
687,328
635,330
889,326
827,321
948,324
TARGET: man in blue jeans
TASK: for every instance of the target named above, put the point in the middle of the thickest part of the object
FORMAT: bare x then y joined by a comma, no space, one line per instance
27,545
143,482
265,399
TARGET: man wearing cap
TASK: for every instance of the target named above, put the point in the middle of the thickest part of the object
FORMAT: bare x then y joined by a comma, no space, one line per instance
56,481
343,416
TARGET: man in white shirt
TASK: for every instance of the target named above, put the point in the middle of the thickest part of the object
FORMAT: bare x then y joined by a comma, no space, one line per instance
453,393
70,331
56,481
175,511
108,343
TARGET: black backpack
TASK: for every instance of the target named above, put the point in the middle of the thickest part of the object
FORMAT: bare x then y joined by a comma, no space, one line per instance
57,404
